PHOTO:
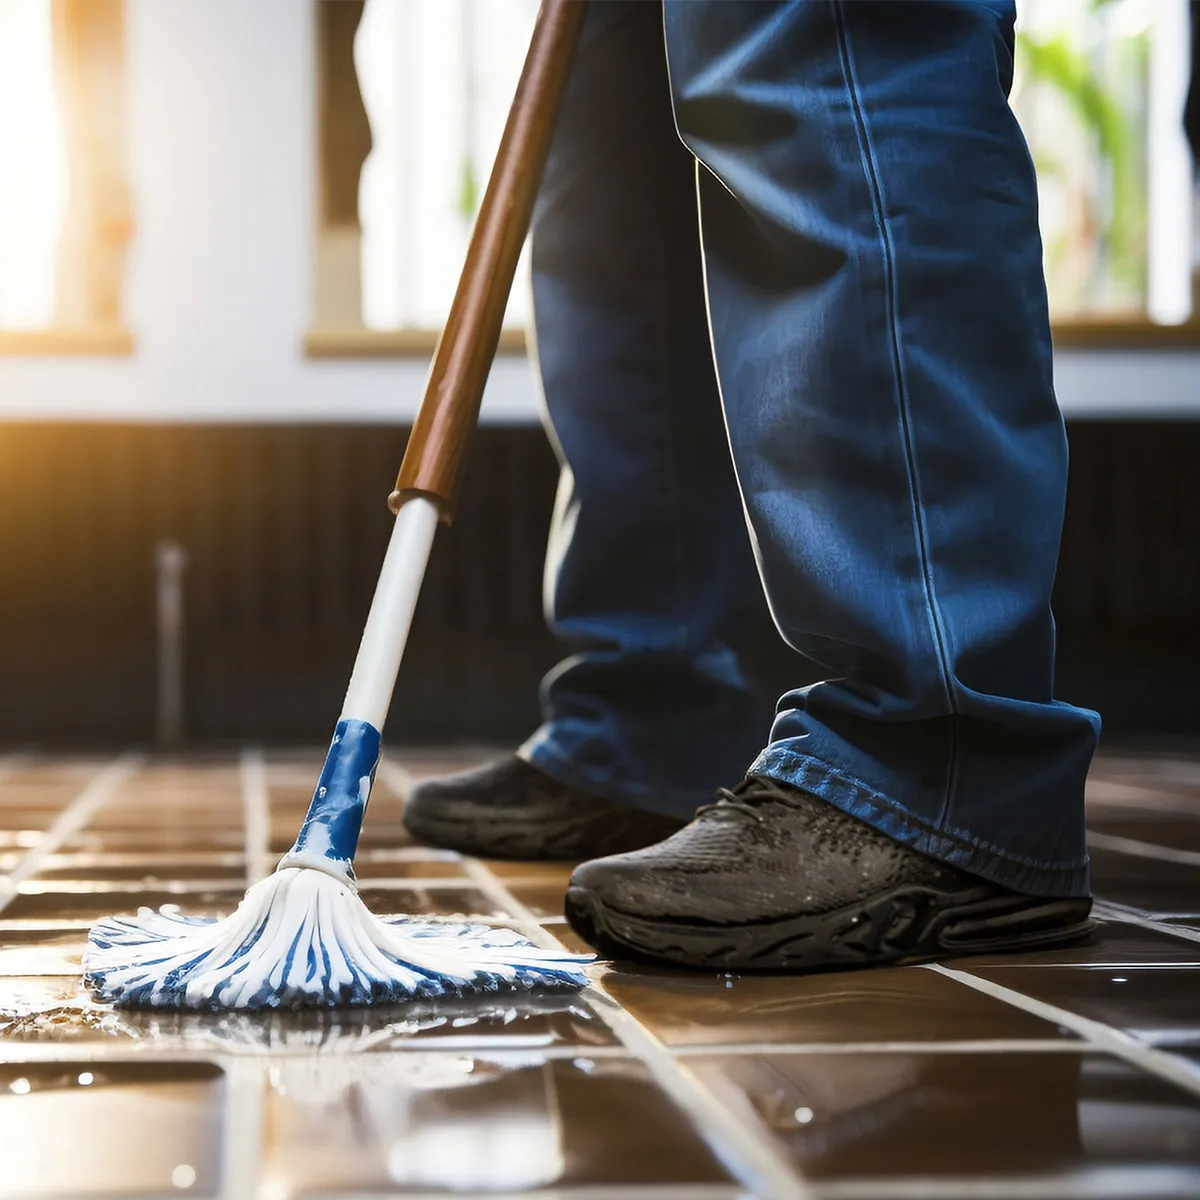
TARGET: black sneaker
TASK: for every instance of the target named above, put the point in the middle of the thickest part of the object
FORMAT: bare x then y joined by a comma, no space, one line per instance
771,878
510,809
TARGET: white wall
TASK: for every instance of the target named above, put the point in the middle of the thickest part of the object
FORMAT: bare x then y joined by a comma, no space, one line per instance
222,146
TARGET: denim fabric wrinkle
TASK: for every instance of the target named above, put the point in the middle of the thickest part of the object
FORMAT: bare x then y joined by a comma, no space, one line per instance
887,254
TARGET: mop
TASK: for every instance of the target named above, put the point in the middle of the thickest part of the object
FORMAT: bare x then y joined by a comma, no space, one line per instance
302,936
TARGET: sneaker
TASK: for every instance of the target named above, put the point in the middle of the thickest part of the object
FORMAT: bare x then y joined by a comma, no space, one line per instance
510,809
771,878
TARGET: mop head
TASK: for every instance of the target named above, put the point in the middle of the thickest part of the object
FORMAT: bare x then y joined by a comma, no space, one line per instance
302,937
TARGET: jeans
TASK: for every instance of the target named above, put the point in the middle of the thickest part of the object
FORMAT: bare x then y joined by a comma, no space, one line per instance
793,340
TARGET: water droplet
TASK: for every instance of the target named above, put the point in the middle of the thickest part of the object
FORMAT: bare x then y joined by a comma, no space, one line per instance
85,1078
20,1086
184,1175
803,1115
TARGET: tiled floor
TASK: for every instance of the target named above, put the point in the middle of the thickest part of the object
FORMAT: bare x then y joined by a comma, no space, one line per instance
1061,1073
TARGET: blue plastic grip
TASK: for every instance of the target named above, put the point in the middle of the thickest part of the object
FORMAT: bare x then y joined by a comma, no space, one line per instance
335,815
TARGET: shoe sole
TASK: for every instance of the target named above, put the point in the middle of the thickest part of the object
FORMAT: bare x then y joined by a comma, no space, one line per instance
535,841
907,925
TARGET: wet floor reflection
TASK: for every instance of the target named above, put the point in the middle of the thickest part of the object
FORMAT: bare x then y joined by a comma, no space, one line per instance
50,1009
467,1124
899,1005
110,1129
884,1115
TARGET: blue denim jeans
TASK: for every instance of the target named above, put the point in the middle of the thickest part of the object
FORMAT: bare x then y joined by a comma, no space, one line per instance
793,339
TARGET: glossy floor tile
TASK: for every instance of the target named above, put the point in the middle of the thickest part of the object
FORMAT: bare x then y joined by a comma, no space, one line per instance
439,1122
898,1005
110,1129
1111,943
653,1085
881,1116
43,1009
1152,1002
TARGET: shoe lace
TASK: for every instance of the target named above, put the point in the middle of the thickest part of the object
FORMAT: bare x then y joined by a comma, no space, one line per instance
747,798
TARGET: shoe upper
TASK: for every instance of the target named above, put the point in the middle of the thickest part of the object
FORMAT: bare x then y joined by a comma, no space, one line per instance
511,809
510,784
763,851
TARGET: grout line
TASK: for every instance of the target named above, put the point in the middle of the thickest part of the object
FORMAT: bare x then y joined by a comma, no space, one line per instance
1124,845
210,1048
1088,1183
408,854
13,762
594,1191
1104,1037
1168,769
1106,910
397,779
966,1046
746,1153
256,808
241,1157
77,813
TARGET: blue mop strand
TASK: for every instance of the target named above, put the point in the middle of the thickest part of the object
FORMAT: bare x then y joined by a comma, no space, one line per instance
302,937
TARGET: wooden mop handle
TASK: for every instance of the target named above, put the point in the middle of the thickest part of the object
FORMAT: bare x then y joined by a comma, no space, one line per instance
465,350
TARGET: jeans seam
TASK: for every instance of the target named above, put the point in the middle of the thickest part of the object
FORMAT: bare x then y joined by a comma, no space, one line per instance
674,520
805,761
887,249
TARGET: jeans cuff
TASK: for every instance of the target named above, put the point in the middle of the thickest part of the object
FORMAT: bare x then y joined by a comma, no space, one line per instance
852,796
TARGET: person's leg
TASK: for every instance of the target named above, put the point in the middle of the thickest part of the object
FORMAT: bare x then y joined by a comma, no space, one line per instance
879,321
649,568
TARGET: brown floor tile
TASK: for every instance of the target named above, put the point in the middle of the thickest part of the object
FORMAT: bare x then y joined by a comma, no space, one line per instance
19,840
542,899
49,951
53,902
367,868
89,901
110,1129
905,1004
42,1009
883,1116
562,1123
167,842
570,939
451,901
1158,829
40,796
514,873
1160,887
1152,1001
153,870
1113,942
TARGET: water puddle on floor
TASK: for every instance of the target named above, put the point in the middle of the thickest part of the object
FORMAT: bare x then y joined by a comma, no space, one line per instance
117,1129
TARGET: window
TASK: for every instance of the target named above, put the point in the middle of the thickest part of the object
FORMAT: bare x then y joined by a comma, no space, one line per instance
65,214
413,96
414,93
1099,91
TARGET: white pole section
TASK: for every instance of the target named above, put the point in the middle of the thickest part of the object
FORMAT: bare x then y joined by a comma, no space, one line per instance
390,618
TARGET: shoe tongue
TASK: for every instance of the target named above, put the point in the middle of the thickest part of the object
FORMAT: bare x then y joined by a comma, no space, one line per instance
757,789
743,800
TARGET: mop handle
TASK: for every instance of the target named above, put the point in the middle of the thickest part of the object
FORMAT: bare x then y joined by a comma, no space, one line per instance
468,343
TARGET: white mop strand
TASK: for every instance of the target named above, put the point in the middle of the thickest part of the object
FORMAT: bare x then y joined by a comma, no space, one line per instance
300,938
